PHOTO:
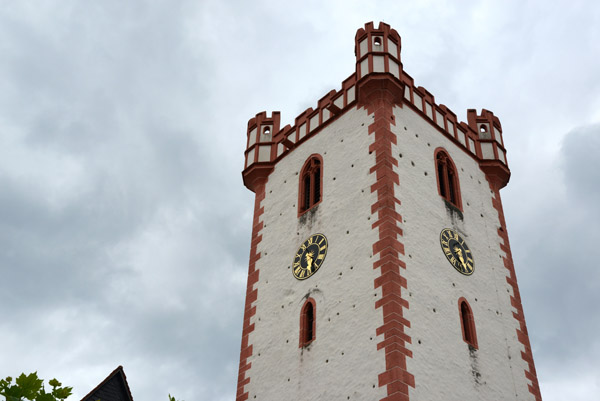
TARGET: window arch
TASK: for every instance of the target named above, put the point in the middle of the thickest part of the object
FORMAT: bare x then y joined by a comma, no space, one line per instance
308,322
467,323
447,178
311,183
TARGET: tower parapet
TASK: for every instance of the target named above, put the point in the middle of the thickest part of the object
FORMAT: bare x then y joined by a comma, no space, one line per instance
261,149
378,64
492,153
378,67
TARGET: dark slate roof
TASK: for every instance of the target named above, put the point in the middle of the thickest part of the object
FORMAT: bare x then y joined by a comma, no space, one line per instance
113,388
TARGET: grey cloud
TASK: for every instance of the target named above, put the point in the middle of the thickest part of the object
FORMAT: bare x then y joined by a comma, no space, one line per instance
125,226
581,166
554,250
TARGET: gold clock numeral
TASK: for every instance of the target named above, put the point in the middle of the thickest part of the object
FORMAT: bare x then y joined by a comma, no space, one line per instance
297,269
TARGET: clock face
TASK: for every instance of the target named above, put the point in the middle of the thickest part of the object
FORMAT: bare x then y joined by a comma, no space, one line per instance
457,251
310,256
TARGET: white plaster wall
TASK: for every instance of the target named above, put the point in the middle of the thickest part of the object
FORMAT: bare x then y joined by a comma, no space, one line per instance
443,366
252,137
378,64
364,67
418,101
439,118
351,94
363,46
314,122
339,102
394,69
392,48
343,361
487,150
266,134
461,136
472,146
302,131
250,157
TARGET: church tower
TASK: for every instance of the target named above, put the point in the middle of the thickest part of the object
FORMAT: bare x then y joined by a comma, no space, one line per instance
380,266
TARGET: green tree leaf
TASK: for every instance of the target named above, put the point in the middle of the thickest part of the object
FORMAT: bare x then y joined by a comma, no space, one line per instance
31,387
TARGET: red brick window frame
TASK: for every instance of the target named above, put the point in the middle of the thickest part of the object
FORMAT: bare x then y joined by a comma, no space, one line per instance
447,178
310,186
308,326
467,323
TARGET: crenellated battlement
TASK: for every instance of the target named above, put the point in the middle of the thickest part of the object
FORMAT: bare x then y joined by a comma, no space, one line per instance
492,151
377,51
378,66
403,199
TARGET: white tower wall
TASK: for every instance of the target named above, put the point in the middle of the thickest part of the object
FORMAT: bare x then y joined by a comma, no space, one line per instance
387,322
334,365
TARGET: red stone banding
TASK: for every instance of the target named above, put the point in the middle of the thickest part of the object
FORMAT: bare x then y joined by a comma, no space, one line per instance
379,97
251,293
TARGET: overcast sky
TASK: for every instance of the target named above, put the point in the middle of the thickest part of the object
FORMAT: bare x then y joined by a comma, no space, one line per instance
124,223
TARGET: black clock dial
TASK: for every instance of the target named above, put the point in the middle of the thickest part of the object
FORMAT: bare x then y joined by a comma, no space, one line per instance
457,251
310,256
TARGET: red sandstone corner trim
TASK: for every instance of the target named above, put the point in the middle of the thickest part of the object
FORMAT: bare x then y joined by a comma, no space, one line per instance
515,299
379,102
251,294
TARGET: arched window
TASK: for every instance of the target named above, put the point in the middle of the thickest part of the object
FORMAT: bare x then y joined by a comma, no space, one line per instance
467,323
447,178
310,183
307,322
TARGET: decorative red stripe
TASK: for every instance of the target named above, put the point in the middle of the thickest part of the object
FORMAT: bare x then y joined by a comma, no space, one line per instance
380,103
515,300
251,295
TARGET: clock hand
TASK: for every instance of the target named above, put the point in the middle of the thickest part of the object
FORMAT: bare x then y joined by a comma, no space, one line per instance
460,256
309,261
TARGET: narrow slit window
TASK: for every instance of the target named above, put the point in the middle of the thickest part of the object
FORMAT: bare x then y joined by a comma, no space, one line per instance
317,187
447,178
441,178
311,182
467,323
307,323
451,189
306,204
